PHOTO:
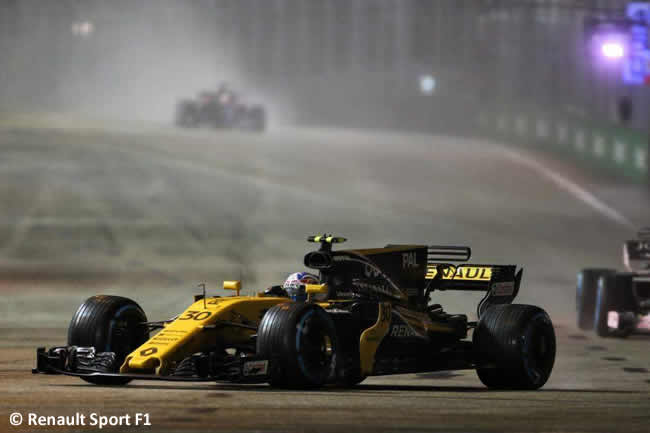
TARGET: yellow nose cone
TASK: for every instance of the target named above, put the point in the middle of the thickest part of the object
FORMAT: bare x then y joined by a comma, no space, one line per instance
139,363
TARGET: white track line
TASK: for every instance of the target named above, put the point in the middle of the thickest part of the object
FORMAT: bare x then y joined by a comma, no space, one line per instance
571,187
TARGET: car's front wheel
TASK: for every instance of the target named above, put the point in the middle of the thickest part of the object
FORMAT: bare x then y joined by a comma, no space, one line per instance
109,324
299,340
611,296
586,288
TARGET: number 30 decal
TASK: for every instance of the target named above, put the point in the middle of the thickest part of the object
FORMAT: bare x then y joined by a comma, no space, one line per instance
195,315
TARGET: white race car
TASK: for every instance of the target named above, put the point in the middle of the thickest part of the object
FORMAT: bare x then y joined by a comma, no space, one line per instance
617,304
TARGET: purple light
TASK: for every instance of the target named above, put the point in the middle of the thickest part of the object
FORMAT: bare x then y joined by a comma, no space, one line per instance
612,50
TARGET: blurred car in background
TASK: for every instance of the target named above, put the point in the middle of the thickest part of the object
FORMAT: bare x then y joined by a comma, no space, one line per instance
617,304
222,108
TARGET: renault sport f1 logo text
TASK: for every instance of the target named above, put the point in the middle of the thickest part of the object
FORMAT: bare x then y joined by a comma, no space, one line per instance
469,273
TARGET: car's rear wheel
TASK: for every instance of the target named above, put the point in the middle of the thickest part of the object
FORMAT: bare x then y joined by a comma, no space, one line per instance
109,324
186,115
515,346
586,288
299,340
257,119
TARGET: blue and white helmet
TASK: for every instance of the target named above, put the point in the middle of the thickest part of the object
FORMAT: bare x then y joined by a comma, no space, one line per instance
294,282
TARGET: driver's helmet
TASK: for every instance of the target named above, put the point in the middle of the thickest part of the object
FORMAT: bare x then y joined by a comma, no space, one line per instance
295,285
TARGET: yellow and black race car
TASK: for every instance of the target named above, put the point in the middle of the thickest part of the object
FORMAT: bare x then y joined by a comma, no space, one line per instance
370,315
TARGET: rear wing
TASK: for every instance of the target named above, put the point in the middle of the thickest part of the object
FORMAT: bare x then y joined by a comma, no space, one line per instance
644,234
447,253
636,255
442,253
500,282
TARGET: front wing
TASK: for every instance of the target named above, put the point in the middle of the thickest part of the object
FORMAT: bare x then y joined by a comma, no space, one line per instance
84,362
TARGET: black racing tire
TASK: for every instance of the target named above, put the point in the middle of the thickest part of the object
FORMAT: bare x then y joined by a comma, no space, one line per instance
299,340
189,119
257,118
109,324
186,115
612,295
647,164
515,346
586,287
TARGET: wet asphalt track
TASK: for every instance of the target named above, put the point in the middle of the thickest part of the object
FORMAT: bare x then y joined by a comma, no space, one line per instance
149,211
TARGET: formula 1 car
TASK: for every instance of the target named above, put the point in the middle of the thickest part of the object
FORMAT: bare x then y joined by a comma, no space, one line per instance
220,109
369,315
617,304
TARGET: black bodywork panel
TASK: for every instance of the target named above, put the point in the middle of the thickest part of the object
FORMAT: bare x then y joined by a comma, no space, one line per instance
397,274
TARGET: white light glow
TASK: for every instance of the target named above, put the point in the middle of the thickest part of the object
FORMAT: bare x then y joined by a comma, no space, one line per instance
613,50
83,28
427,84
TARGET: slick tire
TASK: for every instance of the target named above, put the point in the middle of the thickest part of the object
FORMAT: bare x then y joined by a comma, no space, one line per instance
186,115
613,293
258,119
188,120
299,340
586,288
515,344
109,324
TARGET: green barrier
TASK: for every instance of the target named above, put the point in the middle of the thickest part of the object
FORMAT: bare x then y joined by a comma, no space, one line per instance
618,151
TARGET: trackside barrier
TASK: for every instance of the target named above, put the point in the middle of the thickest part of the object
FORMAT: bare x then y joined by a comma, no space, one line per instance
617,151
